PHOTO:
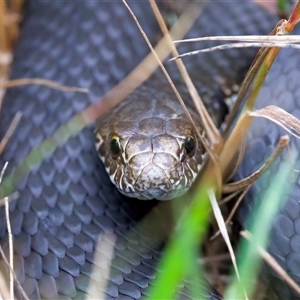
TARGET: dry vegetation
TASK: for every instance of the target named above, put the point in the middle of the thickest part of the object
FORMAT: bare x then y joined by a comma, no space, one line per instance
10,16
217,260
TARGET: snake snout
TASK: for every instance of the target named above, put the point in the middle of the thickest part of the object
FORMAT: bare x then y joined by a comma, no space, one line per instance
154,180
163,173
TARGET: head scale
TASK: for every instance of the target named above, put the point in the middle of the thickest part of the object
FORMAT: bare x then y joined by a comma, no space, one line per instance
149,149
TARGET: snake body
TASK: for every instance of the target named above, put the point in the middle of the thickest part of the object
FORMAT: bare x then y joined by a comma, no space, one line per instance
67,203
280,88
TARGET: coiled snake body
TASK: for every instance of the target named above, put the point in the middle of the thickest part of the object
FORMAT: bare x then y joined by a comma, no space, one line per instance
67,203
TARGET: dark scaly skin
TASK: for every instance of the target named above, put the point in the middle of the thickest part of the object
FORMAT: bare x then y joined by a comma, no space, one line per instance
67,202
281,88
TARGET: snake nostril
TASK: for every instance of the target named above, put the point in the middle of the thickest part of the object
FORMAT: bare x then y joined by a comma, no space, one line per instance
115,146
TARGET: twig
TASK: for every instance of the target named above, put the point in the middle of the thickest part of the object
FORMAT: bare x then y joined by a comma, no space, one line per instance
4,292
215,258
212,132
3,37
241,153
168,78
3,171
236,45
14,274
104,245
253,70
245,38
40,81
10,242
272,262
235,186
223,230
228,198
235,207
10,237
10,131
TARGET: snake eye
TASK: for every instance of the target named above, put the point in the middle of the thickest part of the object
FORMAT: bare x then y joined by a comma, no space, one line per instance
115,147
189,145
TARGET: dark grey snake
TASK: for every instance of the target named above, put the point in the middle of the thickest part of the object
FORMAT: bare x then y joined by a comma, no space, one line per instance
149,148
67,203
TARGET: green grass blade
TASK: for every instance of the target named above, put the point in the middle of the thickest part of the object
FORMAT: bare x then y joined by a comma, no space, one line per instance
260,224
180,257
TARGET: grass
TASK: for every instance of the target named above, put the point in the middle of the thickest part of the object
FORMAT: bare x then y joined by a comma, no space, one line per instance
192,225
181,258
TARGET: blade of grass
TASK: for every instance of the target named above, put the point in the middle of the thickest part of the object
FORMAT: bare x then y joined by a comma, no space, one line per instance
10,237
3,37
261,217
238,45
211,130
10,131
282,5
14,274
4,292
232,143
159,62
233,210
280,117
256,64
190,231
272,263
174,270
223,230
40,81
235,186
244,38
104,245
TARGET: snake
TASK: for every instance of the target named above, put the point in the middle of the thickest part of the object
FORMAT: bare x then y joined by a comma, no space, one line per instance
151,152
68,211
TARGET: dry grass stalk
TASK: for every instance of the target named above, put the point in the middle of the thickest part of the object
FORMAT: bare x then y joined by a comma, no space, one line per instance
165,31
232,212
140,74
44,82
228,198
3,34
241,184
224,232
10,131
6,200
38,83
212,132
10,237
9,21
4,291
159,62
105,245
215,140
9,29
14,275
245,38
215,258
272,263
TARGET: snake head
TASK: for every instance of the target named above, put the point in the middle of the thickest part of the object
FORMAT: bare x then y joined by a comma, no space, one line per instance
149,148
